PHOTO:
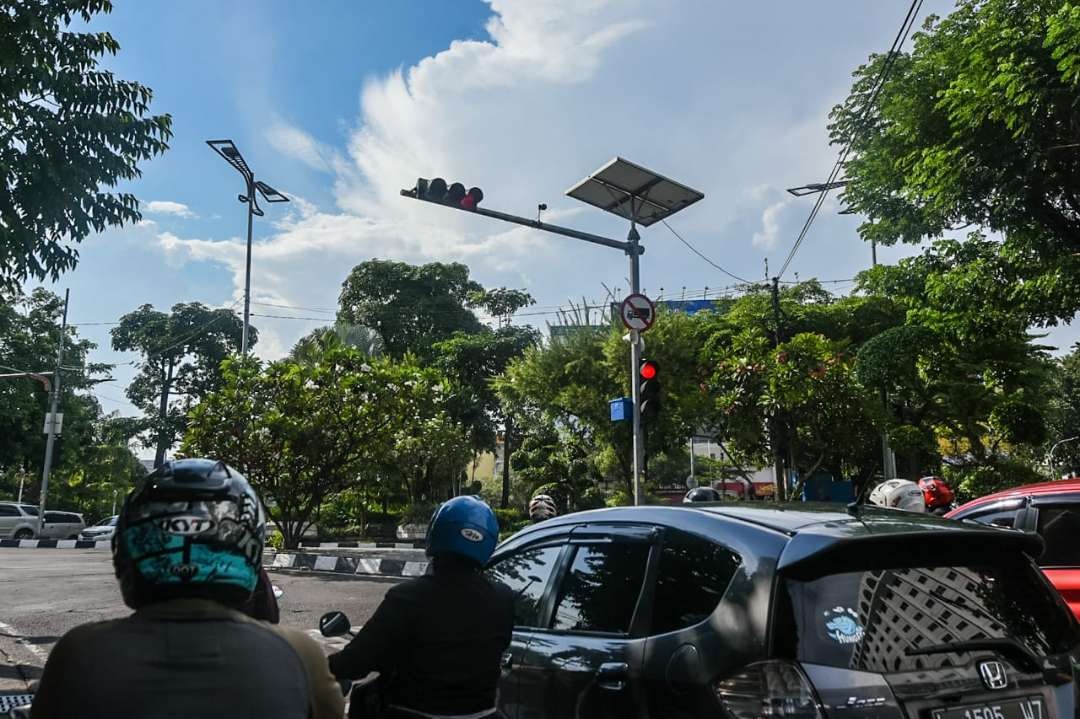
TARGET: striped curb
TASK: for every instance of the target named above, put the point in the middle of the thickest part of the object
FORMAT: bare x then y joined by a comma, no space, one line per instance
363,545
106,544
349,565
54,544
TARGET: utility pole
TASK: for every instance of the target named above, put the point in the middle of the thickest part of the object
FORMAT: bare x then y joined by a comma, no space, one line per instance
51,422
888,459
775,422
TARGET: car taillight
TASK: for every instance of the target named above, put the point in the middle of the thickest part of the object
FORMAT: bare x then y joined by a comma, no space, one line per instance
768,689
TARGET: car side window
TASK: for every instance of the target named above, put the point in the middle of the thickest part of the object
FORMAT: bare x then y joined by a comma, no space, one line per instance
6,510
526,574
692,577
1060,530
601,588
56,517
1002,518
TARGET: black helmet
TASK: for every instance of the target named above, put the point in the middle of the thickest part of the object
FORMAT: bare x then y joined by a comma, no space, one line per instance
702,494
191,528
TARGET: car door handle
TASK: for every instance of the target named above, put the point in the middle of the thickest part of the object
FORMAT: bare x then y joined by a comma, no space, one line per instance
612,676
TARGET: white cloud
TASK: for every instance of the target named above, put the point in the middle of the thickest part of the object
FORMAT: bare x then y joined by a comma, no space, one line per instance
770,225
168,207
686,88
299,145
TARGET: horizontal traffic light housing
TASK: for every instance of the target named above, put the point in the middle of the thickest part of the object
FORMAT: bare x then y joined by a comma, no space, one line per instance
452,195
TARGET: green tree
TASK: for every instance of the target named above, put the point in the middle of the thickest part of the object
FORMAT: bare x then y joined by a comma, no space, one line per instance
977,126
68,130
472,361
91,459
181,355
411,307
304,432
964,363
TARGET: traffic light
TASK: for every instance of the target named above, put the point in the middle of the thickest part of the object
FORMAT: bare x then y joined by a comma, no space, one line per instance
649,388
453,195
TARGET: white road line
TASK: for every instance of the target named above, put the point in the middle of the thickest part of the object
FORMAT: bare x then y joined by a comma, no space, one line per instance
21,640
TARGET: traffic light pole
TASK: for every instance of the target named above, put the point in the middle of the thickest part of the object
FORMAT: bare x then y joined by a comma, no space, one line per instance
631,248
635,362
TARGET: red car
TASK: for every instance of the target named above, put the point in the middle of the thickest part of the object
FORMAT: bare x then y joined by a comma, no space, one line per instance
1053,510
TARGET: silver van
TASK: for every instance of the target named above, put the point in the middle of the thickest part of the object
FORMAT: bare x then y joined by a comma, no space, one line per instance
62,525
18,521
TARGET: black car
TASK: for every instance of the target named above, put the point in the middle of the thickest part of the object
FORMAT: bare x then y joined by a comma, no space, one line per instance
801,611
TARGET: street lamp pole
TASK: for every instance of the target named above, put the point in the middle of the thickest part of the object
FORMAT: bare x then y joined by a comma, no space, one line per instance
229,152
1050,454
888,458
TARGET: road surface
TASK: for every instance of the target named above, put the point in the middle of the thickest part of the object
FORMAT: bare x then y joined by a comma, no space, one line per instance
45,592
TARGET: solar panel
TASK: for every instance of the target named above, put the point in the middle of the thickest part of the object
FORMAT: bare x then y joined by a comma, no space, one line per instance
633,192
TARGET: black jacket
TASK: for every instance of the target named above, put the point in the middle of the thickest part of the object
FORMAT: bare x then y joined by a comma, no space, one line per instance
186,658
437,640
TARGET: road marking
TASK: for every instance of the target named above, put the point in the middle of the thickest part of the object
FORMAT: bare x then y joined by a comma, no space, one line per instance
34,649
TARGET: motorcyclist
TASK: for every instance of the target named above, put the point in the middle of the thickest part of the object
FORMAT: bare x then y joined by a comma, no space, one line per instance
542,507
937,494
702,494
187,552
899,494
437,640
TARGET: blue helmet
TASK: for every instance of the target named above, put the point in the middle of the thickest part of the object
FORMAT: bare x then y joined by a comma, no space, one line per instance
464,526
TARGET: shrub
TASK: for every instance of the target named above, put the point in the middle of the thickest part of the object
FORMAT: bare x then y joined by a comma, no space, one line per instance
509,517
972,482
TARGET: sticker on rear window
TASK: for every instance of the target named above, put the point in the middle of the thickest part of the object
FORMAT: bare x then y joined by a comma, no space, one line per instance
842,625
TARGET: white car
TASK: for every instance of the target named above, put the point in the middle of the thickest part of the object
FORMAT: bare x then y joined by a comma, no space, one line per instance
101,531
18,521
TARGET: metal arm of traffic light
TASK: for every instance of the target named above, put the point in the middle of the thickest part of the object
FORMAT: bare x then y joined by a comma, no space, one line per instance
626,247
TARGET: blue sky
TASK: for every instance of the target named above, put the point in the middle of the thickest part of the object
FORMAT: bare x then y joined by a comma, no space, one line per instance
340,104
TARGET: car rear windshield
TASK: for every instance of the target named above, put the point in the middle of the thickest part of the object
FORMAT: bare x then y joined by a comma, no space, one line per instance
871,620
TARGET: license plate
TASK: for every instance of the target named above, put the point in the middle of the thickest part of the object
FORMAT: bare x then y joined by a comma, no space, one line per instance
1027,708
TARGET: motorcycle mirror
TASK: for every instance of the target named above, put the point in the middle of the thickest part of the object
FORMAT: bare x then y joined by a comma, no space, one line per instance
334,624
278,591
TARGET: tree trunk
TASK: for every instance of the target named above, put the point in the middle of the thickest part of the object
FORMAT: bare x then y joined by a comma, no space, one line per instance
163,411
504,501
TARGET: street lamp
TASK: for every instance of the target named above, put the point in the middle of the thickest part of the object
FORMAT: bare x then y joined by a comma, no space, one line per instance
1050,454
229,152
814,187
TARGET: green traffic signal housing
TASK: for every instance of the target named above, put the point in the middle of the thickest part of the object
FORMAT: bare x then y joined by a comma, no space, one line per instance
649,388
452,195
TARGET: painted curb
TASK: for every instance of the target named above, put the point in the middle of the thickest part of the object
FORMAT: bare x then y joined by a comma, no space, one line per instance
106,544
54,544
348,565
363,545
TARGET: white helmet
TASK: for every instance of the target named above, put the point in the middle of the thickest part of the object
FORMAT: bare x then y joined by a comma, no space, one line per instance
542,507
899,494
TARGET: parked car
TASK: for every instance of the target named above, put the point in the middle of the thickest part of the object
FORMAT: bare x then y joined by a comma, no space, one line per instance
62,525
18,521
744,611
101,531
1053,510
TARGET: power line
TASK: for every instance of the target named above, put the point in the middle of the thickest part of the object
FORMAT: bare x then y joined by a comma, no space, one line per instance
886,67
702,256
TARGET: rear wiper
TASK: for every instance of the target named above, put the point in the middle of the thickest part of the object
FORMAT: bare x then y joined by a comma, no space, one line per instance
1008,647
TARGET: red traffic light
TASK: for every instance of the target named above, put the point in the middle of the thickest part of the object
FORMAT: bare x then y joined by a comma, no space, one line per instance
648,370
471,199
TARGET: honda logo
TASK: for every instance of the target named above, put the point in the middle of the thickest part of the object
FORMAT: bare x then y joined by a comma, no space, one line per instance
993,675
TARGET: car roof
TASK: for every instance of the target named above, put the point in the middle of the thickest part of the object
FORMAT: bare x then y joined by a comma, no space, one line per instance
1061,486
817,531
